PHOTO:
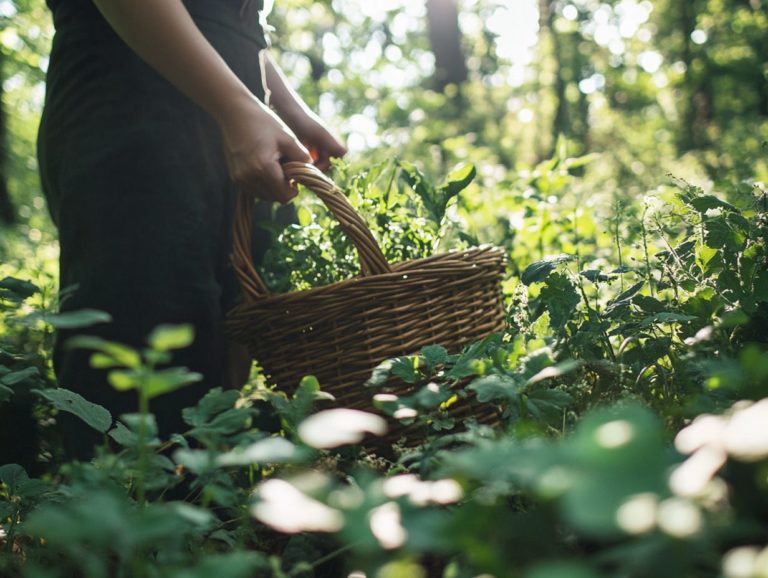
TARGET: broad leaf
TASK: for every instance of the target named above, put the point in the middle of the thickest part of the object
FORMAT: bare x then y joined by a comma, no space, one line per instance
73,319
495,386
168,337
538,271
16,377
13,476
16,289
64,400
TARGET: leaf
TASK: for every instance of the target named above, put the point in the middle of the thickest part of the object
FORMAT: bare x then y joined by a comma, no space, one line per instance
273,450
560,297
458,180
13,476
123,436
169,337
164,381
229,565
595,276
704,255
434,355
380,374
666,318
64,400
631,292
196,461
123,380
561,569
77,319
16,377
336,427
538,271
16,289
706,202
495,386
214,402
406,368
541,402
5,393
121,354
558,370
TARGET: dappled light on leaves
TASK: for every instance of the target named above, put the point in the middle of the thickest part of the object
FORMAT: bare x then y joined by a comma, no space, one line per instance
336,427
637,515
422,493
285,508
680,518
386,526
614,434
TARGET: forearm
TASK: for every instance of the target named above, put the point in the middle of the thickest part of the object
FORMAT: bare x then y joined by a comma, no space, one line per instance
283,98
164,35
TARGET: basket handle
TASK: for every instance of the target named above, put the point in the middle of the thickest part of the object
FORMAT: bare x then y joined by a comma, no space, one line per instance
372,261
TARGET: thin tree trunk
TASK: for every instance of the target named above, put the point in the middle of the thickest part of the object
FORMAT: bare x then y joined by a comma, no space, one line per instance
7,212
560,123
445,38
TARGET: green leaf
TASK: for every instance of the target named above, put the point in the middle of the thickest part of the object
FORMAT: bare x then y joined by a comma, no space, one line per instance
704,255
133,422
64,400
406,368
564,569
541,402
380,374
13,476
123,436
230,565
196,461
538,271
215,402
273,450
434,355
631,292
123,380
458,180
17,377
558,370
706,202
560,297
5,393
495,386
164,381
121,354
16,289
168,337
666,318
77,319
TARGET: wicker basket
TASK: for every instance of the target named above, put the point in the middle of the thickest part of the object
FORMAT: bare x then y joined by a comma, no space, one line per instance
340,332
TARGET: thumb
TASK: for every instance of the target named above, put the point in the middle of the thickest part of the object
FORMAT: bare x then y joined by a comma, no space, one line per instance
292,150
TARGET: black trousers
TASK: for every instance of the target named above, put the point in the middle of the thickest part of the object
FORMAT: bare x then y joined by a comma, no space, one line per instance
137,185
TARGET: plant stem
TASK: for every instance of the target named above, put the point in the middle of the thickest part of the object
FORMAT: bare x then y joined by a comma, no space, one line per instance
142,447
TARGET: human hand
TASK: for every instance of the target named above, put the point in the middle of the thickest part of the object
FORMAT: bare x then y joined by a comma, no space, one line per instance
256,142
322,144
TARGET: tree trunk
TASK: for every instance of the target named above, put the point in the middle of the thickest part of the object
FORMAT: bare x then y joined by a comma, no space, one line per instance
7,213
560,123
445,38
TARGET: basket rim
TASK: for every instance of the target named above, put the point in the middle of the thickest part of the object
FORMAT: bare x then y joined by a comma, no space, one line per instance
455,259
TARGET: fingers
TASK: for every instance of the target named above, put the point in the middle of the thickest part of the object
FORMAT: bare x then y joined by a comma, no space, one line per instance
322,155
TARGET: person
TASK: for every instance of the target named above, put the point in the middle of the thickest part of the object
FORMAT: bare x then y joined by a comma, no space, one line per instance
156,114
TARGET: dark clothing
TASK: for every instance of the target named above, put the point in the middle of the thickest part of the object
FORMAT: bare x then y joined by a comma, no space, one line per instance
136,182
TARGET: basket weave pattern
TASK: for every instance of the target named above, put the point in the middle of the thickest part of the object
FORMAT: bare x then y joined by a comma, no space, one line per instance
340,332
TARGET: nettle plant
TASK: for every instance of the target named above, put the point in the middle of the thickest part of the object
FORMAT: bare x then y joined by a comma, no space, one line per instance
409,216
265,483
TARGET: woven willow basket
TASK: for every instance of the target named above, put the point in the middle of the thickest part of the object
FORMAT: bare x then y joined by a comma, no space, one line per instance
340,332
